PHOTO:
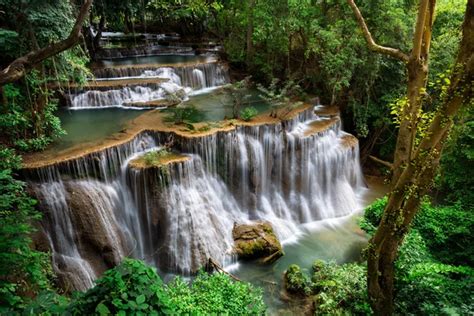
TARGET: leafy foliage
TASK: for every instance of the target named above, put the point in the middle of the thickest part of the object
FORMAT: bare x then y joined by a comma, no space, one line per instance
340,288
296,281
22,270
215,294
153,157
248,113
183,114
336,289
130,288
456,178
27,113
434,266
372,215
134,288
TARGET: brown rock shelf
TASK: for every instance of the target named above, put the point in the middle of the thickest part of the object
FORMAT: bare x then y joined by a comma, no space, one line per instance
150,121
349,140
320,126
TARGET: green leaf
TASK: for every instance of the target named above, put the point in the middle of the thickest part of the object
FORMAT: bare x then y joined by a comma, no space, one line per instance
140,299
102,309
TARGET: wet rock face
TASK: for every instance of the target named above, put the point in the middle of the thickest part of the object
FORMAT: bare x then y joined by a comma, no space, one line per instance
256,241
100,239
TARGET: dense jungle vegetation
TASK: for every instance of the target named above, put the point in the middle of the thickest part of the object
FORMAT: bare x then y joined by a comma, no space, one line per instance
411,108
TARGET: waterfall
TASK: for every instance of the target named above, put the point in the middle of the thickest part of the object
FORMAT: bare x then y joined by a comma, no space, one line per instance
124,96
81,228
177,216
182,81
188,219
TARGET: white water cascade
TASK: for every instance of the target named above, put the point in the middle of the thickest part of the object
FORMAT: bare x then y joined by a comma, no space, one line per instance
177,217
181,81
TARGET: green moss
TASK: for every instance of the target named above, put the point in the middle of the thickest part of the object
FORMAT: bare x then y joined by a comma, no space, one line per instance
251,249
157,158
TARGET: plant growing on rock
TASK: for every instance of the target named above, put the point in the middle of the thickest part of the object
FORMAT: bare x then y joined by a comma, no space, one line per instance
248,113
279,96
239,95
153,157
296,281
183,114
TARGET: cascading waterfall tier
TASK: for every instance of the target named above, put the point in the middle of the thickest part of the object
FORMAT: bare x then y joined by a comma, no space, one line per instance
182,81
178,215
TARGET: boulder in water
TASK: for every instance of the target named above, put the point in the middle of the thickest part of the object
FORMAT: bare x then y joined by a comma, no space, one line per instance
256,241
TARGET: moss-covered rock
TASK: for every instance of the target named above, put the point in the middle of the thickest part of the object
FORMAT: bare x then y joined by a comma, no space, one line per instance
256,241
157,158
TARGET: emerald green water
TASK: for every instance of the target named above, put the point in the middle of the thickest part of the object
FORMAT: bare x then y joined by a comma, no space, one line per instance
217,104
91,125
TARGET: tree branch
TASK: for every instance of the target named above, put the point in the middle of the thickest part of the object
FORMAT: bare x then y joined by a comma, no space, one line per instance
392,52
387,164
20,66
419,29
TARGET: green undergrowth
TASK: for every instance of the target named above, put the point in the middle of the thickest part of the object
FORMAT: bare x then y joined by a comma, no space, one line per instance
434,268
23,270
134,288
335,289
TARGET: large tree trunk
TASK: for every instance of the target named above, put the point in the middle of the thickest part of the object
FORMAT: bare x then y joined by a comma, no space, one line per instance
417,68
20,66
416,178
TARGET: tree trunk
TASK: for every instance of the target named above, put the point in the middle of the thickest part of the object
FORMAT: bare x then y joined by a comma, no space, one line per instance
417,68
417,75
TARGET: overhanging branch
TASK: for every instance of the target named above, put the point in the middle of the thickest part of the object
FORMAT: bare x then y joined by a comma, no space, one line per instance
387,164
20,66
393,52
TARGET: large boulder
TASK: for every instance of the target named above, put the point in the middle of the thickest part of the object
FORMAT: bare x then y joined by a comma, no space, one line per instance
256,241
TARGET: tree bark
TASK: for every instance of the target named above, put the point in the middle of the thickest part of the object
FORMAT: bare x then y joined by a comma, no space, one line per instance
416,178
20,66
417,68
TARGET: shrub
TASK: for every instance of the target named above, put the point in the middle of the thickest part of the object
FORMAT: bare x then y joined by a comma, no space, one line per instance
130,288
248,113
372,216
425,284
446,230
431,288
22,269
133,288
296,281
153,157
340,289
182,114
215,294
